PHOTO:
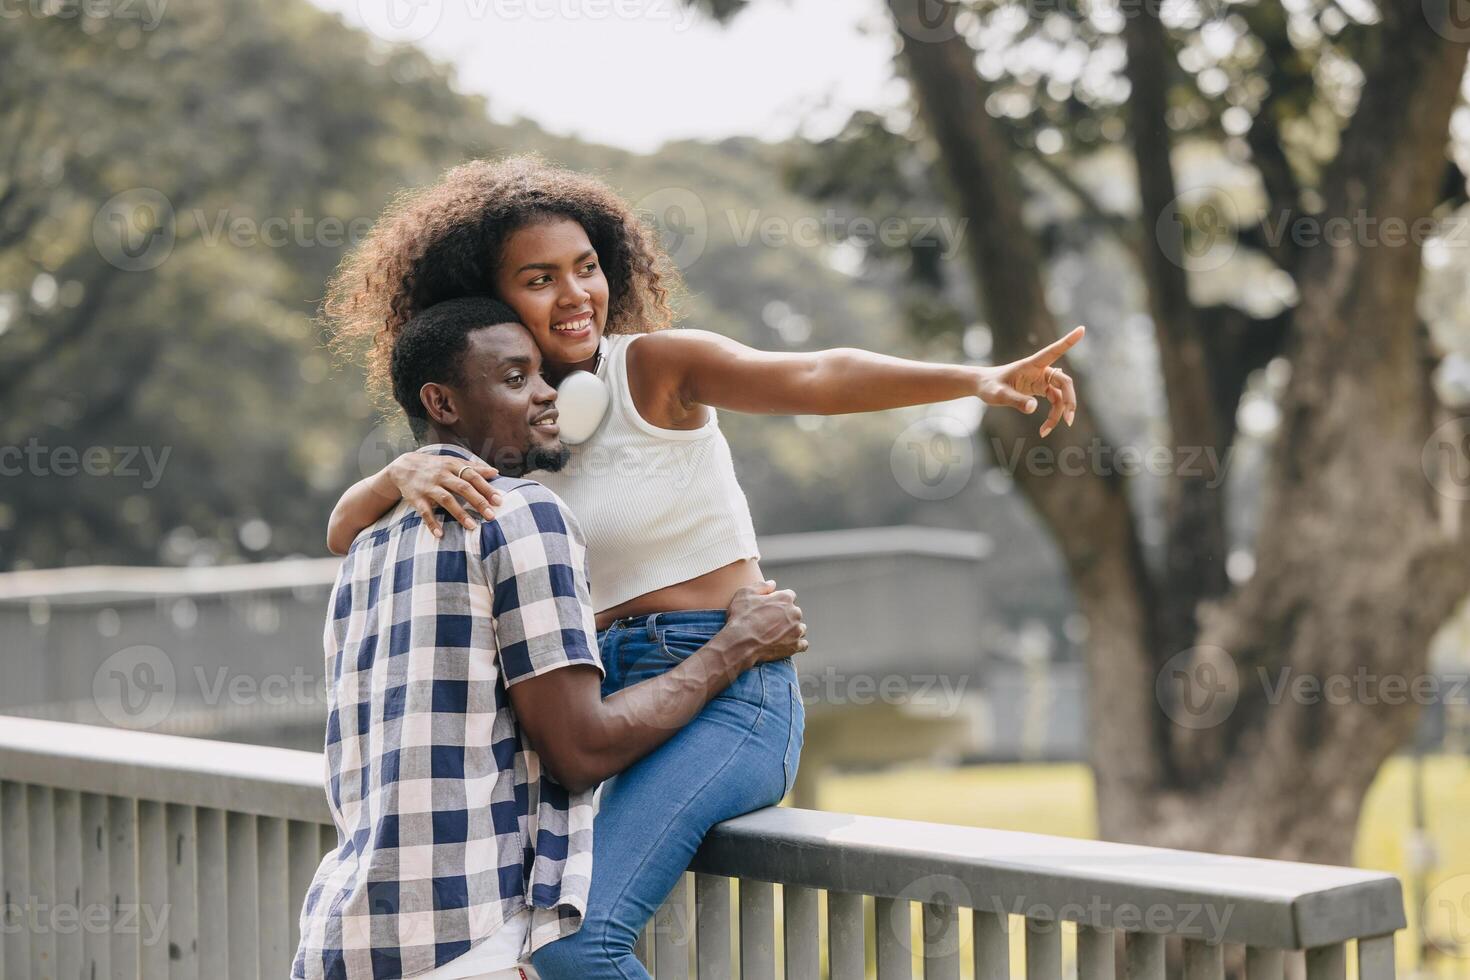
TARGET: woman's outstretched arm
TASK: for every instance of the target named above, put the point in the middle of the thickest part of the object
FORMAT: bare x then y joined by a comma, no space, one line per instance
678,370
427,481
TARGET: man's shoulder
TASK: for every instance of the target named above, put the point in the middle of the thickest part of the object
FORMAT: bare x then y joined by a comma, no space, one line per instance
522,491
378,532
527,508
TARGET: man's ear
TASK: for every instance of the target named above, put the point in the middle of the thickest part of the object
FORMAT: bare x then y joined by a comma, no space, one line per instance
438,401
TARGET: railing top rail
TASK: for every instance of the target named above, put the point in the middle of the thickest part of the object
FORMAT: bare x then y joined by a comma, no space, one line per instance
167,768
1207,896
1215,897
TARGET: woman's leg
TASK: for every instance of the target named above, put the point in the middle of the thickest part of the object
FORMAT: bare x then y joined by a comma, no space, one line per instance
736,756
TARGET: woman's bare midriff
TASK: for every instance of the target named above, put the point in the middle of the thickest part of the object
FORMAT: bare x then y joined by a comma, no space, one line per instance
712,590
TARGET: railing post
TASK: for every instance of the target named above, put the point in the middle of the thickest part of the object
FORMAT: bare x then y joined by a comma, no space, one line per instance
41,823
126,945
1145,956
1043,949
243,875
992,945
273,896
757,930
1375,958
1096,953
671,935
643,946
893,936
1203,961
305,857
153,854
96,885
801,922
1327,962
712,926
214,894
183,894
70,929
1262,963
942,942
845,948
16,876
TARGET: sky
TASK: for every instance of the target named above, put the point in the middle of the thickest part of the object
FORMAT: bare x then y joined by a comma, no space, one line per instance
636,73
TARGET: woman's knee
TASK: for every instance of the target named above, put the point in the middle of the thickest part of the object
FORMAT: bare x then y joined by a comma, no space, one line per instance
570,956
559,959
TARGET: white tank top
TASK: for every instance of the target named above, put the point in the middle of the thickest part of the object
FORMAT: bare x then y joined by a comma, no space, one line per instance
657,506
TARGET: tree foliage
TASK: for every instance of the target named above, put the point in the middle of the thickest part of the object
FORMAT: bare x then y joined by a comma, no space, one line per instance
1248,159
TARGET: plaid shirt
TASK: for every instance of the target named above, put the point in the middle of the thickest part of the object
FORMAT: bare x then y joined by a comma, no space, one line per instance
446,820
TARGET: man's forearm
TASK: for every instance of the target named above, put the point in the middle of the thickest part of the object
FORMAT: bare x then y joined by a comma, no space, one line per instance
583,738
639,719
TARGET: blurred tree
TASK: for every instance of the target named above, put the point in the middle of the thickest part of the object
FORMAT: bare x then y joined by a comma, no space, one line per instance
174,194
1341,113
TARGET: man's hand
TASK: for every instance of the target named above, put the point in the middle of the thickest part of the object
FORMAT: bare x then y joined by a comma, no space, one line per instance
764,625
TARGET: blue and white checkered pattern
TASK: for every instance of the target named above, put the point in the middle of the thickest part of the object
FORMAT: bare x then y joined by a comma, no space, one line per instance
446,822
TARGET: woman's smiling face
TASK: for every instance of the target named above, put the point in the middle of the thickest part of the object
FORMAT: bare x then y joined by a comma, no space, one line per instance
550,275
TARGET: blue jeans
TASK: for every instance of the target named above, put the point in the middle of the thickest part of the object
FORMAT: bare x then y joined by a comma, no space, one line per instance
739,754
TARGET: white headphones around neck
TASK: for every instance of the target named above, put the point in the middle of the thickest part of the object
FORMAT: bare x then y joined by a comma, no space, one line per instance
582,400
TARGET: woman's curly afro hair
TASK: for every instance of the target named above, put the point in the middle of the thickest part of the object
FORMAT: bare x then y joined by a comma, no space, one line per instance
444,241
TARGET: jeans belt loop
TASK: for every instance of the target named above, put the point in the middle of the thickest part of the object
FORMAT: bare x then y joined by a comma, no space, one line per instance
651,625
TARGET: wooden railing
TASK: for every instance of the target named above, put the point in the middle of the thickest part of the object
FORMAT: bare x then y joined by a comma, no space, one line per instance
131,854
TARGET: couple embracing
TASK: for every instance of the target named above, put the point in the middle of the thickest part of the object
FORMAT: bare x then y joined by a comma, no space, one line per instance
549,678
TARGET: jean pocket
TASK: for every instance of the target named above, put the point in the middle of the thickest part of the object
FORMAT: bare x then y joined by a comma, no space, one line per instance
795,738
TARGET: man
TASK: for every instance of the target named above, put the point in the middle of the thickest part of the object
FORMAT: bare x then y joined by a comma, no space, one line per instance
466,733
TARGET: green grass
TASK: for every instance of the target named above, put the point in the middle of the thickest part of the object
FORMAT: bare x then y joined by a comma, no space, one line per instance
1058,799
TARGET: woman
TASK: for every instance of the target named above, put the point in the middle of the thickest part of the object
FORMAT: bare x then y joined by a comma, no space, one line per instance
668,530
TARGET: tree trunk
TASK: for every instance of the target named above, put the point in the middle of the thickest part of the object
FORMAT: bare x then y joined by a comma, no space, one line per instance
1354,574
1089,512
1194,510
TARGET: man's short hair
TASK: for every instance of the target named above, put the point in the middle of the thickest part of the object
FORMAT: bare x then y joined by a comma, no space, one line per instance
431,347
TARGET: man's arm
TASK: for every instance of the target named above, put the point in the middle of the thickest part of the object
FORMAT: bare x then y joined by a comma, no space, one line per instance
583,739
535,562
